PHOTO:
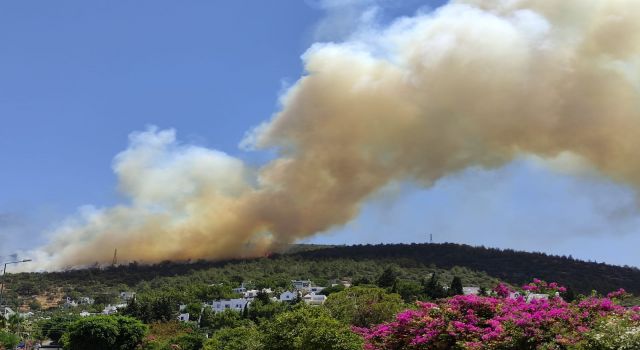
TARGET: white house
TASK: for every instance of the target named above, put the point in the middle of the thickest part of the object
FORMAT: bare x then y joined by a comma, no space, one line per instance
110,310
86,301
314,299
253,293
528,297
288,296
240,290
533,296
183,317
315,289
301,284
470,290
231,304
127,295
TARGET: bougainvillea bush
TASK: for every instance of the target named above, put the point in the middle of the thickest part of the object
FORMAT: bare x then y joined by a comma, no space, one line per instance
503,322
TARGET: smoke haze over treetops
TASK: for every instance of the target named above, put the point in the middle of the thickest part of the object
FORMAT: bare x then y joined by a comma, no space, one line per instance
475,83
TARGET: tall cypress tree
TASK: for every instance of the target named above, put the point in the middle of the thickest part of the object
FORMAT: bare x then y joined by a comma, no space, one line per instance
388,278
433,289
456,286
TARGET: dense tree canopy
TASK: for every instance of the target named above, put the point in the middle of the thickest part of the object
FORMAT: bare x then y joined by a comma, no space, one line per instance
104,333
364,306
308,328
235,338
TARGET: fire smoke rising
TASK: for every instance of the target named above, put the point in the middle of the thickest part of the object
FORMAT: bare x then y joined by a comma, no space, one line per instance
475,83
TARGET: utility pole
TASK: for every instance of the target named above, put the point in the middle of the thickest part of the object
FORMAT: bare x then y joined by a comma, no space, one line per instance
115,258
4,271
431,238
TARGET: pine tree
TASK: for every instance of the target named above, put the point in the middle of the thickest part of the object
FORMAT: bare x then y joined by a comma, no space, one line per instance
456,286
433,289
245,311
387,278
569,295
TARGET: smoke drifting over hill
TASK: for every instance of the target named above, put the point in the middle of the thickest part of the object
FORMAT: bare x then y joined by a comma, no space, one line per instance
475,83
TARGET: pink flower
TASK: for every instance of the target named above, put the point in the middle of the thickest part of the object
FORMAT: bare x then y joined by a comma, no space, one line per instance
475,321
617,294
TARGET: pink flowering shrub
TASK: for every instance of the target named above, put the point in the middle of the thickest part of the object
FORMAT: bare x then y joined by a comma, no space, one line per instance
542,287
500,322
502,290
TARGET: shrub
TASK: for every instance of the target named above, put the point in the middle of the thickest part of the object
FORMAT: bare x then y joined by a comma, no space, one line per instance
238,338
308,328
8,340
364,306
614,333
104,333
500,323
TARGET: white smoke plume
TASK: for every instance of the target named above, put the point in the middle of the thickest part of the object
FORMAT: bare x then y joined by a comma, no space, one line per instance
475,83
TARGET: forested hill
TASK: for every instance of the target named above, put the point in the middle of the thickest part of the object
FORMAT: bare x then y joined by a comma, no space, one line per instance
512,266
414,262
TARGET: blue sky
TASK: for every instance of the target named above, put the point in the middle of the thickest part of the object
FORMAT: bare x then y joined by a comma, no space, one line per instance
77,77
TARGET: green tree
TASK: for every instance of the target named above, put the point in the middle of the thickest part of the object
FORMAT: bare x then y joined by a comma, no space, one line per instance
131,332
105,298
133,308
364,306
193,309
308,328
8,340
189,341
104,333
259,310
35,305
237,338
218,320
153,307
456,286
15,322
433,289
410,291
387,278
163,309
263,297
568,295
54,327
333,289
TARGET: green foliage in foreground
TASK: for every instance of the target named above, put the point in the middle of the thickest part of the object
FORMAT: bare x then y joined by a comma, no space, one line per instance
364,306
54,327
614,333
236,338
8,340
104,333
173,335
308,328
304,328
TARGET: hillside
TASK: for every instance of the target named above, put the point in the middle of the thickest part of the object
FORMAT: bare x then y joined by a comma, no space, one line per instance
104,284
511,266
415,262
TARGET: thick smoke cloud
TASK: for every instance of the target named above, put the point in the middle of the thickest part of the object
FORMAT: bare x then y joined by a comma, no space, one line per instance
475,83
